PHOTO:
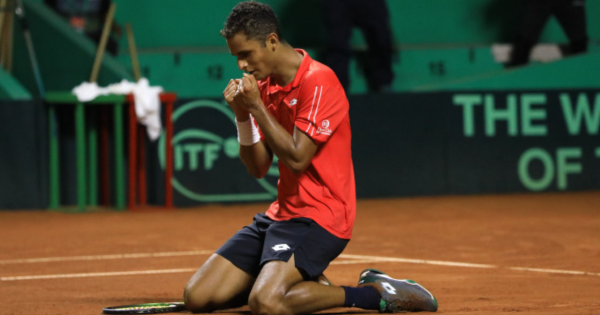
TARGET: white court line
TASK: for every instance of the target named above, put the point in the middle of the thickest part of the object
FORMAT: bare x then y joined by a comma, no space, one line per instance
99,274
418,261
105,257
564,272
352,262
469,265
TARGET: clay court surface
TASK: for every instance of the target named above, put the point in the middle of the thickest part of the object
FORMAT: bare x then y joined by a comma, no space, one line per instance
534,254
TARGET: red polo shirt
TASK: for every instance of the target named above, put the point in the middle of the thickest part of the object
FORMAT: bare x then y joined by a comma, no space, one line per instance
315,103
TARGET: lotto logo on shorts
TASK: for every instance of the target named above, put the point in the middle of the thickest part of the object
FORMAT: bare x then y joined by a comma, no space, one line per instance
279,247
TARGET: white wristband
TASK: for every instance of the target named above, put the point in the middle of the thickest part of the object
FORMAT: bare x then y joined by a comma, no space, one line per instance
247,132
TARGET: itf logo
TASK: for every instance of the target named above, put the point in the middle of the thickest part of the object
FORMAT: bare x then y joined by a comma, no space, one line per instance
206,160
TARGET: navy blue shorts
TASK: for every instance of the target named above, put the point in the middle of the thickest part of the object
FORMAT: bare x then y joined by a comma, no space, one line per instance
266,240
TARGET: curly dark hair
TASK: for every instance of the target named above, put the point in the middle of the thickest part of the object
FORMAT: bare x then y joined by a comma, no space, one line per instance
254,19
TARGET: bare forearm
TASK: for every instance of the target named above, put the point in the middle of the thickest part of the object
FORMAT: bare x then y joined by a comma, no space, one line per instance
256,158
281,142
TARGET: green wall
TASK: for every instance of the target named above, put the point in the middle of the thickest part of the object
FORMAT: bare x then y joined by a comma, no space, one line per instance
438,43
186,23
573,72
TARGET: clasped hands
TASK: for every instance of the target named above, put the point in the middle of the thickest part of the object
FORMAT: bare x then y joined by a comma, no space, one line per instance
242,95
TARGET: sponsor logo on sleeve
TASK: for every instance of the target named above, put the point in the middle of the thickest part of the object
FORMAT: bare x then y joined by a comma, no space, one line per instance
324,129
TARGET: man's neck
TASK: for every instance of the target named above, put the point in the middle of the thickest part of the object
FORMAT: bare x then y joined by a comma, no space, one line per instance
289,63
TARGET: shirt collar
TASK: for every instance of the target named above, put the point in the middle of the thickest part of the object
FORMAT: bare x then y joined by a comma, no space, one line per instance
306,60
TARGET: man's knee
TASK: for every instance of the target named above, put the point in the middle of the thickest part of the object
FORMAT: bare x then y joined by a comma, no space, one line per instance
206,297
261,304
218,284
196,301
199,299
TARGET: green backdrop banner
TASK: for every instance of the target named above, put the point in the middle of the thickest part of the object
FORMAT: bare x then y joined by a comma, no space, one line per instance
416,144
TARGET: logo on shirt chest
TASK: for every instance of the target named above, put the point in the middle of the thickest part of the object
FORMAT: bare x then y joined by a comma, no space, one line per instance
290,101
324,129
289,107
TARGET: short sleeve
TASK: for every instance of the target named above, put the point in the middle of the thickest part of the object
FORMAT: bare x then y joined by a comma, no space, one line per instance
262,136
321,109
262,86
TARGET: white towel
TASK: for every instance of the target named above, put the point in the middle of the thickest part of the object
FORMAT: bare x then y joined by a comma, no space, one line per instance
147,100
87,91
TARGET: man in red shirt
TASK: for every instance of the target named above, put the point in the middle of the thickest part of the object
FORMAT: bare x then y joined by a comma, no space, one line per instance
294,107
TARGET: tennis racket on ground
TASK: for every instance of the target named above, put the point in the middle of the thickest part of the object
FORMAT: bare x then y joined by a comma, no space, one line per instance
146,308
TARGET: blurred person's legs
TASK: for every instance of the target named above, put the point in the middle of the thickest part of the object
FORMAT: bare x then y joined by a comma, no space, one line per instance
571,16
534,15
374,19
338,21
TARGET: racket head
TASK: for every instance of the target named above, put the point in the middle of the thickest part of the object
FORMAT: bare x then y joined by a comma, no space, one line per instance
145,308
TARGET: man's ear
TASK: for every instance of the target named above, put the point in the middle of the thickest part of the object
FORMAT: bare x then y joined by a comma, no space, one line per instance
272,41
